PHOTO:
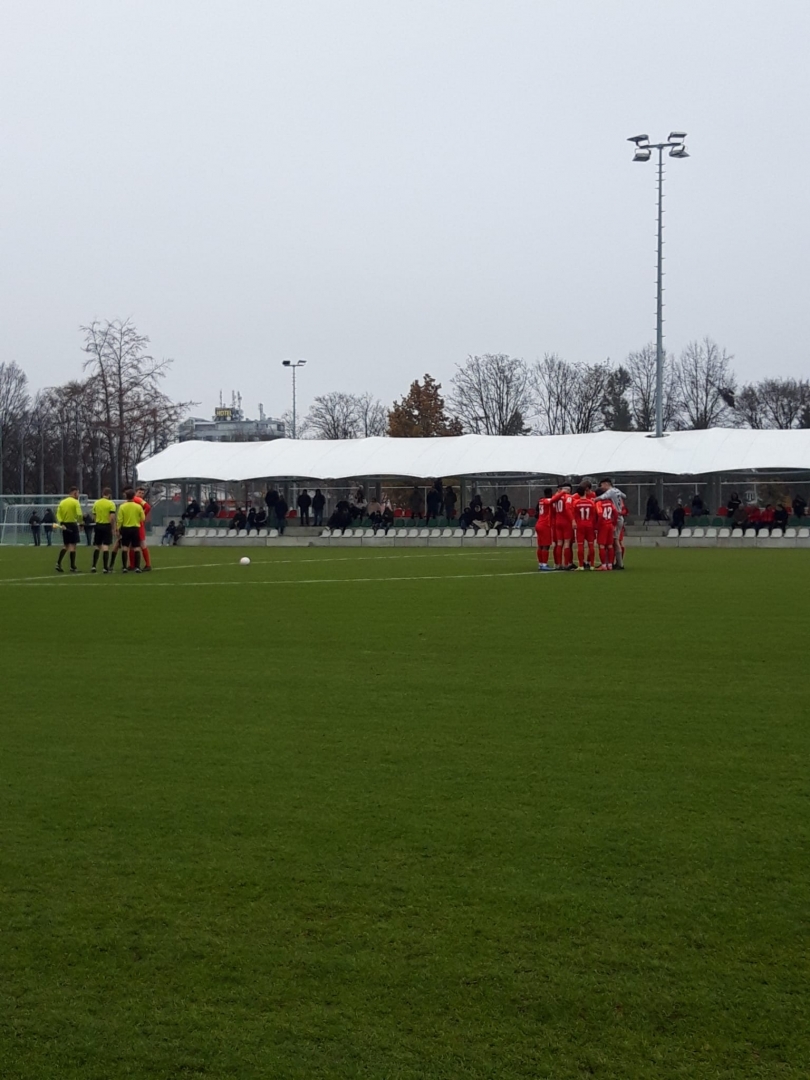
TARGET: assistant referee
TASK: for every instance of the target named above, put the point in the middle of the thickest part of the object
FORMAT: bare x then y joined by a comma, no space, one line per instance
130,517
70,516
104,514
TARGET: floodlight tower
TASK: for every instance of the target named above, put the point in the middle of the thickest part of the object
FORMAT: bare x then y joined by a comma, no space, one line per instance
293,365
677,149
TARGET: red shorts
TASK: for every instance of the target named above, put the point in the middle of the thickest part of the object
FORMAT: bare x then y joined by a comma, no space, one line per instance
605,535
586,534
563,530
544,538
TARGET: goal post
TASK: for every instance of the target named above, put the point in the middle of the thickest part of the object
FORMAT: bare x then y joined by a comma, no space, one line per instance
15,517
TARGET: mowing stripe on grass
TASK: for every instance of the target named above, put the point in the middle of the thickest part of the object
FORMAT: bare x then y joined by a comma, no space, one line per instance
258,562
298,581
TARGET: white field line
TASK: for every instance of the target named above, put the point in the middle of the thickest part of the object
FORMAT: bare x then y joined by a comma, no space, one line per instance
37,583
85,574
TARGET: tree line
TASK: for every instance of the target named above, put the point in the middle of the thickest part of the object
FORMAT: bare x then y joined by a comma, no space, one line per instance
92,430
497,394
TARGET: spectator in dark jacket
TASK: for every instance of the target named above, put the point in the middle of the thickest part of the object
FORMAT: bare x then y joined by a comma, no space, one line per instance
35,523
281,514
270,499
799,506
653,511
678,518
318,503
450,500
304,503
415,503
48,522
434,505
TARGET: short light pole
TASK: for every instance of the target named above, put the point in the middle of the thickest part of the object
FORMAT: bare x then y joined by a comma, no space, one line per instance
677,149
293,365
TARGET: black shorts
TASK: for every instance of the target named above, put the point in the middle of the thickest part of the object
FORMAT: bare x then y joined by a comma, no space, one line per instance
70,534
102,535
131,537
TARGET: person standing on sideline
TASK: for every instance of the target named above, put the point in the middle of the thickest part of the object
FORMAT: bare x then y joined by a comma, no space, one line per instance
104,514
88,528
434,505
450,500
130,518
35,524
304,503
69,516
281,514
140,497
318,503
48,522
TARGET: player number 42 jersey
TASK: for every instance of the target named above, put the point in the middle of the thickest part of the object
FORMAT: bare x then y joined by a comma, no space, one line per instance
607,512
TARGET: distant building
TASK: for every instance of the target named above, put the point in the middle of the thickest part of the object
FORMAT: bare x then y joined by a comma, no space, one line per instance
229,424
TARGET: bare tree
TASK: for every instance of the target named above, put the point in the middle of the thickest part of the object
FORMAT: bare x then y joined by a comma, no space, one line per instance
641,367
372,416
554,384
333,416
132,411
784,401
586,413
705,384
773,403
14,402
570,398
748,410
492,394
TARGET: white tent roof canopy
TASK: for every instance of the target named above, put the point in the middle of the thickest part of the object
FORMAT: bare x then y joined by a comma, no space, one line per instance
679,453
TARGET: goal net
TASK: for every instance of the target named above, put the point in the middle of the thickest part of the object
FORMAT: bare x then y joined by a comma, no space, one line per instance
15,517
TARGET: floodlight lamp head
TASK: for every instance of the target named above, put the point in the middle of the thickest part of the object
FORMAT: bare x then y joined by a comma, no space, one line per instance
676,136
301,363
678,151
642,154
286,363
639,139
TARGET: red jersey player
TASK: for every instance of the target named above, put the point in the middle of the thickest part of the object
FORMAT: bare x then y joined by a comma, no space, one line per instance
563,529
140,497
544,529
585,522
606,532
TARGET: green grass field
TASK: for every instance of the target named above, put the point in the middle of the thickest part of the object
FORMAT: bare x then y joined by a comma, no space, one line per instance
405,815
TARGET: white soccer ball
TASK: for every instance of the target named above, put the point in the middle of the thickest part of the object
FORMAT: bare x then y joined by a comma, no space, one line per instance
245,561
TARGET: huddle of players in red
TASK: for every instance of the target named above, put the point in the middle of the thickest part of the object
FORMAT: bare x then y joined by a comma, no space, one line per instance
592,520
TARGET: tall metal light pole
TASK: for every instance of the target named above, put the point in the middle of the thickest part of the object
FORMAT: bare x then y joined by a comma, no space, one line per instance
677,149
293,365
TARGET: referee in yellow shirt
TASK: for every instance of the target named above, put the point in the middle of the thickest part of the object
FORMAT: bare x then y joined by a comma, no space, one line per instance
70,517
104,515
130,518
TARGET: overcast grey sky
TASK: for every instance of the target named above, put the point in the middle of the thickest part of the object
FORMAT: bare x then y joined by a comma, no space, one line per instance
384,186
